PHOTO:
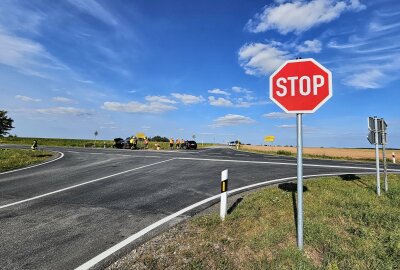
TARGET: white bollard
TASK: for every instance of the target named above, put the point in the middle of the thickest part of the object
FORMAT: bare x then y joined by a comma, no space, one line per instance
393,157
224,194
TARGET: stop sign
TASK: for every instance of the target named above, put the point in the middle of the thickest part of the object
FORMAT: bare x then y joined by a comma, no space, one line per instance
300,86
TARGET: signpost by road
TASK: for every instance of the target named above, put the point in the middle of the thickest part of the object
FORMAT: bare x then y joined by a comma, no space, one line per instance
300,86
377,136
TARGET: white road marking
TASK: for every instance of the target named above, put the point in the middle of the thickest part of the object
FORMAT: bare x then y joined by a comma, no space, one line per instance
92,262
284,163
37,165
81,184
74,152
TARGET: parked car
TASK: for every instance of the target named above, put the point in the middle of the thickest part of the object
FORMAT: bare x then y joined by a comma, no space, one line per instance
121,143
189,145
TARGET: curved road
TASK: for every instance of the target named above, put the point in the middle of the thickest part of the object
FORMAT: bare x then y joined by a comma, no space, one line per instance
62,214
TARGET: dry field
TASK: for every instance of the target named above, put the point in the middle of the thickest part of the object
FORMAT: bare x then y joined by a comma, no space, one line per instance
351,153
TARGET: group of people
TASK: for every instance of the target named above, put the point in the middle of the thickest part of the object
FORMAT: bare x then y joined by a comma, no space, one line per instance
134,142
179,143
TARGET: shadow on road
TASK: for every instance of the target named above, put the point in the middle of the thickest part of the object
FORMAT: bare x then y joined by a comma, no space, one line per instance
356,180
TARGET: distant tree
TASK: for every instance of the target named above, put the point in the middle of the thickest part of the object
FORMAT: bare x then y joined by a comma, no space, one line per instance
159,139
5,123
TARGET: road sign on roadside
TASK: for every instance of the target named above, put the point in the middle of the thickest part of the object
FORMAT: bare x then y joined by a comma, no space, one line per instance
371,137
382,126
269,138
371,123
300,86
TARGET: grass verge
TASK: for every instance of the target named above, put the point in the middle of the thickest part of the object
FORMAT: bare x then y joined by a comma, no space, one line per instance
11,159
346,226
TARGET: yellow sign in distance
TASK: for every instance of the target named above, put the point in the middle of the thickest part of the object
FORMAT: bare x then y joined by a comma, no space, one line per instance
269,138
140,135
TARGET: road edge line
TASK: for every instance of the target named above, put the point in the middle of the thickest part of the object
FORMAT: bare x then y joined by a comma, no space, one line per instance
110,251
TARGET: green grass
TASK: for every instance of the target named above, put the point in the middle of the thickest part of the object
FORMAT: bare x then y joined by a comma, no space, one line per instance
11,159
346,226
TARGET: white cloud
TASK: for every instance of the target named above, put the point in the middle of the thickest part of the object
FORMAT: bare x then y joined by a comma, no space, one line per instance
238,89
27,99
26,56
279,115
366,80
96,10
298,16
188,99
64,100
217,91
287,126
313,46
84,81
261,59
65,111
232,120
160,99
137,107
221,102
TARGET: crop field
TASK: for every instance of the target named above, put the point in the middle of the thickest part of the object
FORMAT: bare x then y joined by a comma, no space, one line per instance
340,153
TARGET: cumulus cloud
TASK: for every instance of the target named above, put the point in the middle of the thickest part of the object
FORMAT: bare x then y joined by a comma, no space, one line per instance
261,59
26,98
188,99
64,100
238,89
313,46
232,120
278,115
137,107
160,99
299,16
217,91
221,102
64,111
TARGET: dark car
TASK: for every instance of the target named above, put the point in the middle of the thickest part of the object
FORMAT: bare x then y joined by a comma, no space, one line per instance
121,143
189,145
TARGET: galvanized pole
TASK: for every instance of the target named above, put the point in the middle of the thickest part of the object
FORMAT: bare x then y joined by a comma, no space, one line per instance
378,176
299,181
384,164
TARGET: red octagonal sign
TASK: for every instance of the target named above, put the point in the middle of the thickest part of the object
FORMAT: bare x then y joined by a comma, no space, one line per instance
300,86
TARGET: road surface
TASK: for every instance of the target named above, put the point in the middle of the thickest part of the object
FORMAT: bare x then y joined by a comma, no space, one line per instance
62,214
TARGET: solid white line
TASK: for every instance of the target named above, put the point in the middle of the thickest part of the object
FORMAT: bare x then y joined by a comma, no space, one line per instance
74,152
284,163
37,165
92,262
81,184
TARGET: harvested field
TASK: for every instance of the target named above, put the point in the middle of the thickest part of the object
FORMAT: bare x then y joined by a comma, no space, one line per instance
350,153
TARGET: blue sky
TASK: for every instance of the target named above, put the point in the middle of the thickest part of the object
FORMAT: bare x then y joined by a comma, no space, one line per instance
178,68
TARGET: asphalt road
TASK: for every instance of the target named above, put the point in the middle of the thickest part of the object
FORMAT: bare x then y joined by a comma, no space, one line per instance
62,214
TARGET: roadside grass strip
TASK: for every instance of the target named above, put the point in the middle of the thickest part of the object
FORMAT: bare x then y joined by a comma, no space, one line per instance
13,159
346,226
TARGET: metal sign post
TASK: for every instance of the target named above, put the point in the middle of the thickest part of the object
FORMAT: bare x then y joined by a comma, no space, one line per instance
378,176
299,181
383,127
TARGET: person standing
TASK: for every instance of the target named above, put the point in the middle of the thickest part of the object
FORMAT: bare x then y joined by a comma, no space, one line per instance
146,143
34,145
178,144
171,143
